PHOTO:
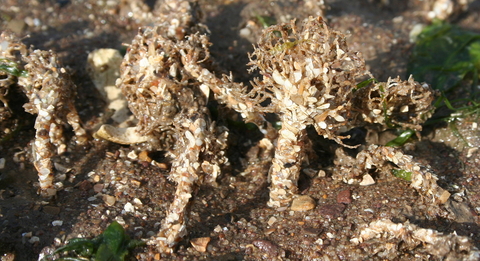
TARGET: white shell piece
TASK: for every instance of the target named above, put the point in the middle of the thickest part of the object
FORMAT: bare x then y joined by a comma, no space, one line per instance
57,223
339,118
322,125
288,85
288,134
124,136
324,106
278,78
190,138
144,62
297,76
205,90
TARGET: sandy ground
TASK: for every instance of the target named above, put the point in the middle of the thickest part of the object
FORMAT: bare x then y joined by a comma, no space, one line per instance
233,214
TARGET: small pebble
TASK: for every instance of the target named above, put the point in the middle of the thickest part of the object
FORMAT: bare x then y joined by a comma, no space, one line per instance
268,247
109,200
98,188
310,172
312,231
96,178
129,207
344,196
367,180
34,239
245,32
217,229
143,156
120,220
200,244
2,163
270,231
303,203
471,151
321,173
136,182
271,221
57,223
132,155
93,198
331,210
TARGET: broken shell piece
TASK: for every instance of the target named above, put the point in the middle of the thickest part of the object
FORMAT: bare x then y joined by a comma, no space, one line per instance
200,244
123,136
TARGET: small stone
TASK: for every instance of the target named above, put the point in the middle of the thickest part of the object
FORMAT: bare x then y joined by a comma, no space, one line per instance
311,231
200,244
61,177
51,210
120,220
49,192
271,221
303,203
61,168
57,223
471,151
269,231
245,32
217,229
129,207
132,155
109,200
268,247
34,239
93,198
2,163
310,172
367,180
444,197
135,182
161,165
98,188
85,185
143,156
96,178
332,210
321,173
344,196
